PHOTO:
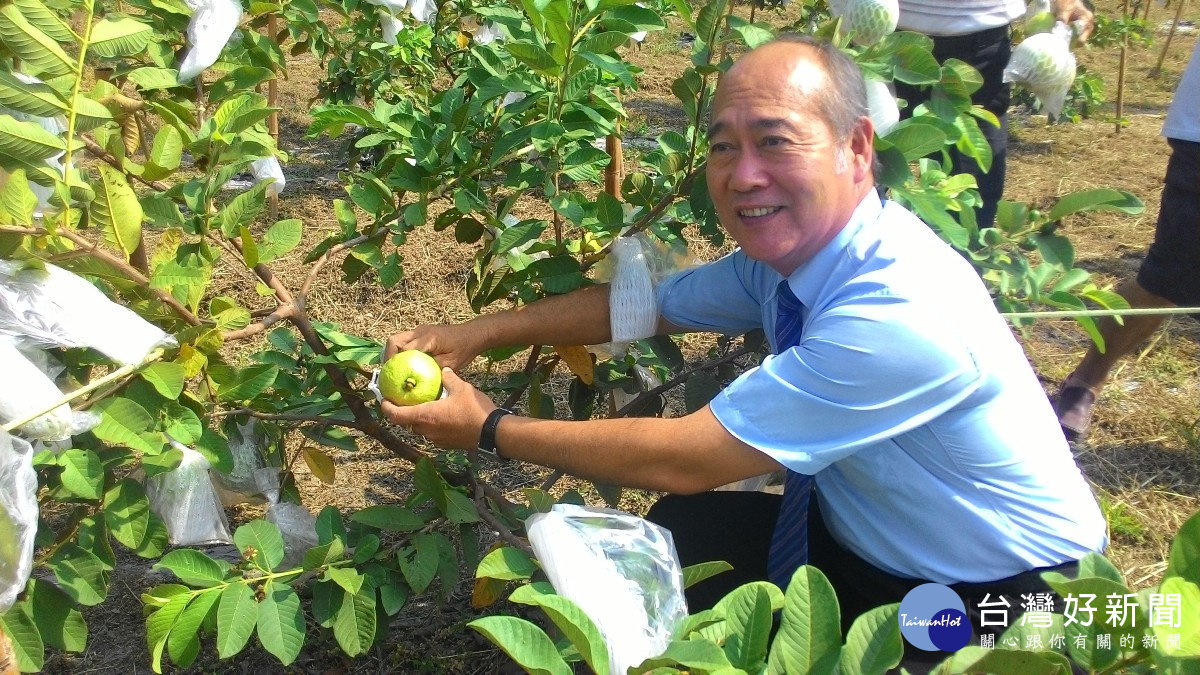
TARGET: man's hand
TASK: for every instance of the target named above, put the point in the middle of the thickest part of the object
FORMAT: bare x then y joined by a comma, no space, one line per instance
452,346
1069,11
453,422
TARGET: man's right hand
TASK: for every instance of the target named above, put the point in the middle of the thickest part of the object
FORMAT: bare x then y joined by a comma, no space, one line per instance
451,345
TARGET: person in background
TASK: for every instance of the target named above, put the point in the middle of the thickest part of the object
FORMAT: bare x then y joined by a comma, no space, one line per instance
979,33
919,444
1168,276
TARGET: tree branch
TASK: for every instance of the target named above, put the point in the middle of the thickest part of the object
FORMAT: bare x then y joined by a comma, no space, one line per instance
328,255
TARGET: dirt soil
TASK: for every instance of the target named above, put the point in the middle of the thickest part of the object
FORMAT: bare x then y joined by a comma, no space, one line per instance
1143,456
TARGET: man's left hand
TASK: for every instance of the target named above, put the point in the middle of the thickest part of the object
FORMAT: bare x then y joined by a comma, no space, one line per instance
452,422
1069,11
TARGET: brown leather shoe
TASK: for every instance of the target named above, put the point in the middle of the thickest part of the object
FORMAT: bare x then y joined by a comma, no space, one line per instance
1073,405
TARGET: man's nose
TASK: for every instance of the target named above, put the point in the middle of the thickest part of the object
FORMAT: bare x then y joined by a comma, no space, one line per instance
749,172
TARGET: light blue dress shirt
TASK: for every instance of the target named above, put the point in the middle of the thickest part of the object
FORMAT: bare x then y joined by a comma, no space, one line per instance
935,451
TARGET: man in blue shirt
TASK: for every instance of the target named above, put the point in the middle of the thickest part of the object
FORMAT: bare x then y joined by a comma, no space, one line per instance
894,382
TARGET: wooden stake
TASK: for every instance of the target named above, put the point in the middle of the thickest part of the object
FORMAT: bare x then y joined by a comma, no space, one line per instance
1121,70
273,120
1170,34
614,174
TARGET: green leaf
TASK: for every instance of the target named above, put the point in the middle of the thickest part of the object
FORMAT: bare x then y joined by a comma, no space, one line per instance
127,512
603,43
460,508
578,628
237,613
419,562
46,20
319,556
150,78
916,137
116,210
281,624
251,382
194,568
506,563
182,423
166,377
355,623
1055,249
80,573
748,618
58,622
389,517
265,539
83,473
26,641
28,141
183,644
534,56
702,655
280,239
972,659
1184,560
346,577
694,574
116,38
524,642
17,201
1103,199
810,635
167,150
159,625
40,54
874,644
242,209
32,98
122,422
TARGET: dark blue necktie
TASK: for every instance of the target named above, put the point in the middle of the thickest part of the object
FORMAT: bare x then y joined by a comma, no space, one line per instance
789,542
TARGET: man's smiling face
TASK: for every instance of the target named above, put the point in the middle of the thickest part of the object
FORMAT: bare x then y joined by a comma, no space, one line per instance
783,184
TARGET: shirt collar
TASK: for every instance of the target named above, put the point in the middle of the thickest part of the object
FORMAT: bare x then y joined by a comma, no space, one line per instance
808,279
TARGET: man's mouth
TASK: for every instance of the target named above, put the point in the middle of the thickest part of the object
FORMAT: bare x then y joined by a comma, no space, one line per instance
759,212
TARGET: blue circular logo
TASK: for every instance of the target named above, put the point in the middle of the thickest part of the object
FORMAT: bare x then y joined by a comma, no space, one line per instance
932,618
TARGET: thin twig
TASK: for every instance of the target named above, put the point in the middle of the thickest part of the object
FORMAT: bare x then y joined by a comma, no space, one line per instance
493,522
334,250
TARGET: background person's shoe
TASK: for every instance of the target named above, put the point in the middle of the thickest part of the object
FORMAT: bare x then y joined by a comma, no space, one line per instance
1073,405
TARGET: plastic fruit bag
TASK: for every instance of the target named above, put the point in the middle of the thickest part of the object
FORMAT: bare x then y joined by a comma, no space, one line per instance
867,21
211,25
295,523
633,307
621,570
245,442
881,104
25,389
18,516
268,167
1043,64
46,306
186,501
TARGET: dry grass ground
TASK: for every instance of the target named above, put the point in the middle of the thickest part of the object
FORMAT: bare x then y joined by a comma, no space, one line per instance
1143,456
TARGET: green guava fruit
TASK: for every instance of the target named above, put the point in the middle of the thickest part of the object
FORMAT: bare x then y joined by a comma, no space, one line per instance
410,377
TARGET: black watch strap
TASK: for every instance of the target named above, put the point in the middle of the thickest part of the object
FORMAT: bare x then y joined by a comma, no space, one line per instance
487,437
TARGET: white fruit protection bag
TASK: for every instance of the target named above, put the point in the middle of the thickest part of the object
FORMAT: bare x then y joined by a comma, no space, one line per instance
44,305
211,25
633,307
26,389
239,486
18,516
621,570
187,502
295,523
268,167
1043,64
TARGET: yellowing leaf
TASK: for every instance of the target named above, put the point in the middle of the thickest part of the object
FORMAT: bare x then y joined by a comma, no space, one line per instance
487,591
579,360
320,464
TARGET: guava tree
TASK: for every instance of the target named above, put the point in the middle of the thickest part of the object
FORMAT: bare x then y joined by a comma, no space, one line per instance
456,131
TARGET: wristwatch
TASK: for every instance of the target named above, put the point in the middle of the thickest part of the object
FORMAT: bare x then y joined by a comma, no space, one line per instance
487,437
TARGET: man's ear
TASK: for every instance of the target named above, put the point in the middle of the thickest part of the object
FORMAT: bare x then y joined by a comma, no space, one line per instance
861,148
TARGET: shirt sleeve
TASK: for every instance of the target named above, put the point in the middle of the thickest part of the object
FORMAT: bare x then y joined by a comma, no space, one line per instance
720,296
862,374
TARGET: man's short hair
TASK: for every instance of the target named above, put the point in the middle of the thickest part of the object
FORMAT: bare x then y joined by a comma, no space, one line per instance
844,100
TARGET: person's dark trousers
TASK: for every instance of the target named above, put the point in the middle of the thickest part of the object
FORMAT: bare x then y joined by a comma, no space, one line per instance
988,52
736,527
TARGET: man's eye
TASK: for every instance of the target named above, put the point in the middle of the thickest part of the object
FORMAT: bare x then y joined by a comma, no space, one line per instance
774,141
719,147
